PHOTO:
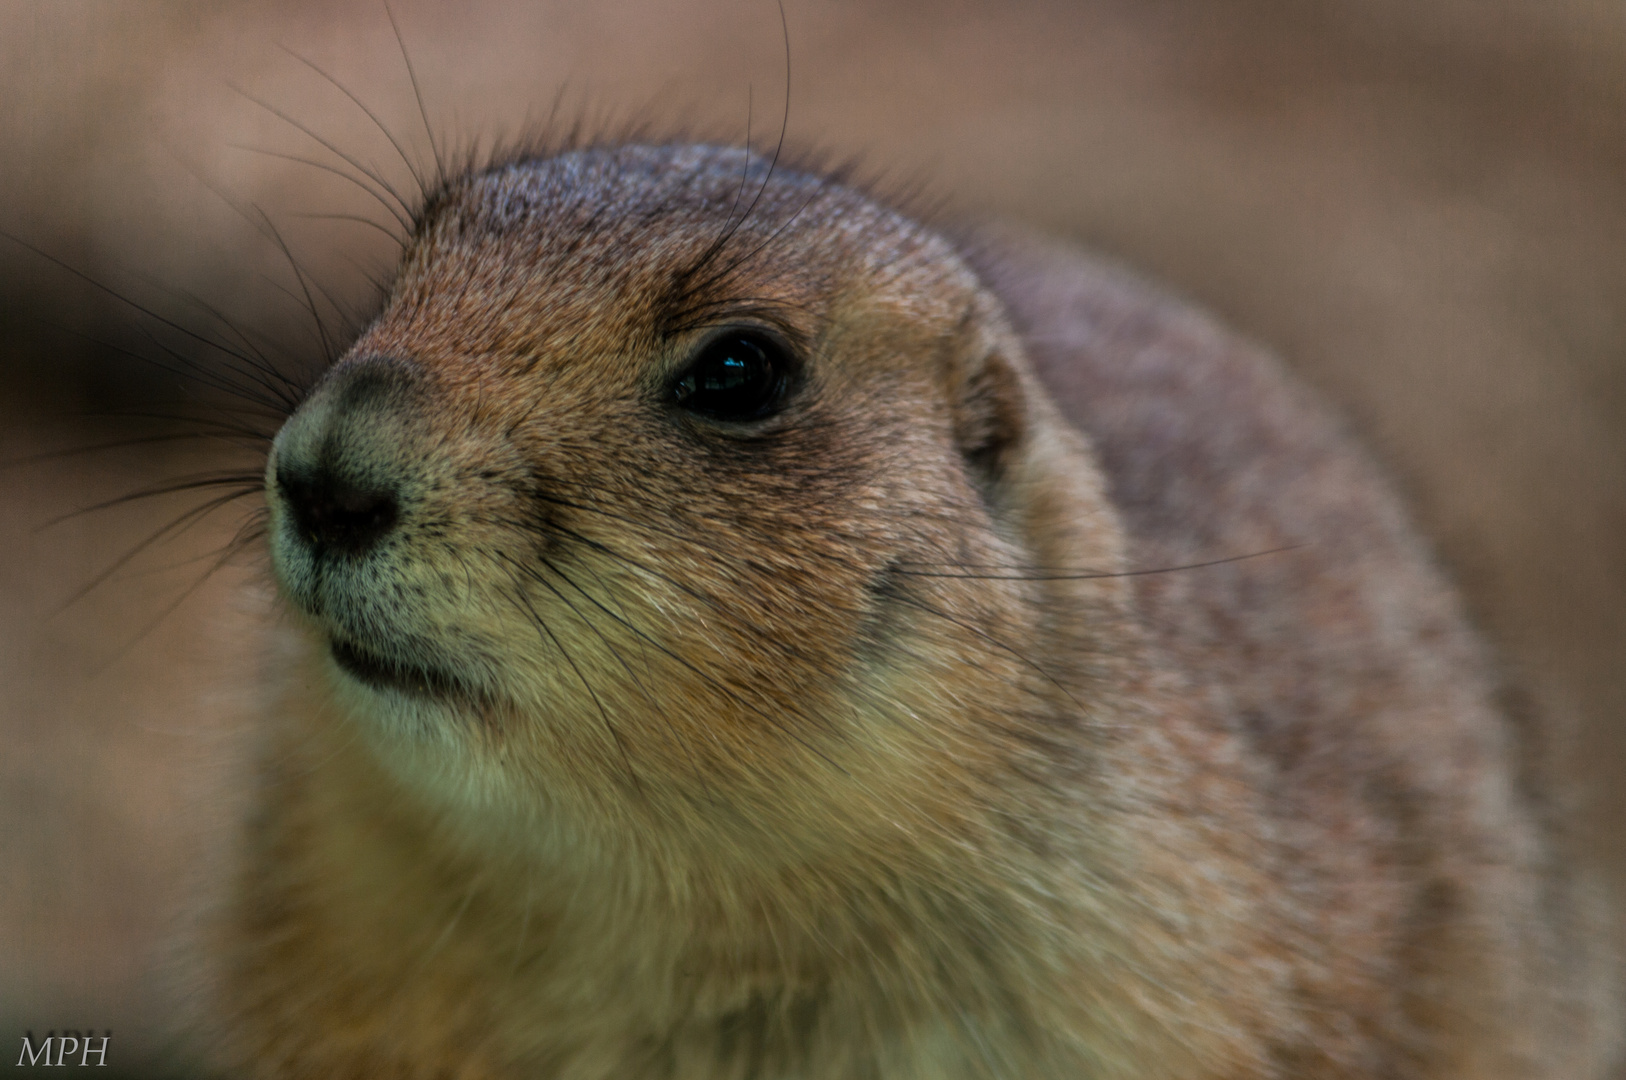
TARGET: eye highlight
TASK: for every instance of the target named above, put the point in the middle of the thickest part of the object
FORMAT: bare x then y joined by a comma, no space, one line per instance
738,375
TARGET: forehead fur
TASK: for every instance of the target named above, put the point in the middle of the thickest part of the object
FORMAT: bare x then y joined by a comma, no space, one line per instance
635,243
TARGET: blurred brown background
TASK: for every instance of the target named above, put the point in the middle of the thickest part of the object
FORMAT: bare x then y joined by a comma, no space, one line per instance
1420,203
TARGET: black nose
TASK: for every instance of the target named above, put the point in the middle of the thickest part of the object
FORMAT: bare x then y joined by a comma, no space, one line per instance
334,515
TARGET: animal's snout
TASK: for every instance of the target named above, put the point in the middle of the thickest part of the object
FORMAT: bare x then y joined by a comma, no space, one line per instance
339,468
334,514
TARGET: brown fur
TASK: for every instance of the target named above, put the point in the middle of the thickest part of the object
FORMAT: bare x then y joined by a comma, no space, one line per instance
847,749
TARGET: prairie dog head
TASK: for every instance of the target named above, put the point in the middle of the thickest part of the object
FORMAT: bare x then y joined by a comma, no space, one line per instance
670,498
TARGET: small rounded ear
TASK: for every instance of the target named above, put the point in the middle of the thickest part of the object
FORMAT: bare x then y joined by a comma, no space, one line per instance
989,408
988,417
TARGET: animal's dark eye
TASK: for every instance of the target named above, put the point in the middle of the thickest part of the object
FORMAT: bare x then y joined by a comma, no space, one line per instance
739,375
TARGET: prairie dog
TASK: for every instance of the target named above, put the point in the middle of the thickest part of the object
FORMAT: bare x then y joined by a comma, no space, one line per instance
742,633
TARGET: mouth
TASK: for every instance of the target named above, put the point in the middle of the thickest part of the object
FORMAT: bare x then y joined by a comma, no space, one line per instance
382,673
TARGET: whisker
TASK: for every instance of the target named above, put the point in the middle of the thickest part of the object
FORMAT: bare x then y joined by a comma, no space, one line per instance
417,92
372,279
187,418
179,525
277,399
254,356
116,444
723,689
745,169
403,218
786,649
700,772
360,219
141,309
614,596
225,556
251,482
1081,574
733,226
609,725
245,537
304,285
423,191
370,174
267,365
990,639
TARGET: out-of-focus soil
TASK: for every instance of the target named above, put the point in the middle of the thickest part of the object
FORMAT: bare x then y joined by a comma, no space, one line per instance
1421,205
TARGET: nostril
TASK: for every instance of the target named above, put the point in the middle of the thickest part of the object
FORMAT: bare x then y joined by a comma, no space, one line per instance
335,515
